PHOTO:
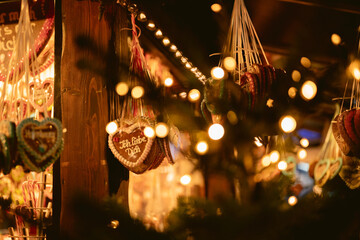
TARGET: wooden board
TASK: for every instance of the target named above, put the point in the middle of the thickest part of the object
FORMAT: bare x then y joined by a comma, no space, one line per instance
83,166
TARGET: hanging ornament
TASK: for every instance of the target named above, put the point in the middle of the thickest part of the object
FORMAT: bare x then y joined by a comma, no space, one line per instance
129,144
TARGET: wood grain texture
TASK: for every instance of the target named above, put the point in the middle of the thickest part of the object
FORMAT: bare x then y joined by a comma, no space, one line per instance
83,167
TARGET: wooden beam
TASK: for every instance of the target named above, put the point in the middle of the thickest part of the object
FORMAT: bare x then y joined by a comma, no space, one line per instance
83,165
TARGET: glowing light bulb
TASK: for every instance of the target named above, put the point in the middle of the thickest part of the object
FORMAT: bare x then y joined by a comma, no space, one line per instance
111,127
168,82
305,62
216,131
288,124
292,92
282,165
296,75
183,94
173,48
137,92
274,156
194,95
149,132
183,60
142,17
292,200
161,130
216,7
166,41
114,224
229,63
158,33
188,65
122,88
217,73
257,142
308,90
356,73
178,54
304,142
265,161
194,69
302,154
201,147
151,25
335,39
185,180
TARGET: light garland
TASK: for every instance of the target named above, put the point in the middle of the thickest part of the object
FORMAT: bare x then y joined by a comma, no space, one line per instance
159,34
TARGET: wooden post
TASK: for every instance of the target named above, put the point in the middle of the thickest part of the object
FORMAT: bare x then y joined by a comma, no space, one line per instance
84,107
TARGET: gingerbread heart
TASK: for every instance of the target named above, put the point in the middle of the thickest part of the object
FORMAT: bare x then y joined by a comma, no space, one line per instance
42,139
357,122
39,166
335,167
345,148
291,167
41,94
321,173
5,151
9,130
129,144
351,132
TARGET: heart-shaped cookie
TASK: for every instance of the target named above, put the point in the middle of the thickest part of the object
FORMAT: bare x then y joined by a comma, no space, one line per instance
34,164
129,144
335,167
345,148
291,167
40,139
321,173
5,151
351,132
356,122
8,128
41,94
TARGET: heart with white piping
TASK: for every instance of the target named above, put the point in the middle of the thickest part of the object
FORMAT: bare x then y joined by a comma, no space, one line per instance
129,144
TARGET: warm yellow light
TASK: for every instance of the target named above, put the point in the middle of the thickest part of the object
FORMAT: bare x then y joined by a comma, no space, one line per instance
257,142
188,65
302,154
201,147
142,17
173,48
216,131
168,82
161,130
194,70
114,224
217,73
122,88
274,156
151,25
166,41
292,200
183,60
137,92
288,124
265,160
356,73
296,75
185,180
111,127
194,95
178,54
158,33
304,142
216,7
308,90
305,62
229,63
183,94
282,165
232,117
149,132
292,92
335,39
